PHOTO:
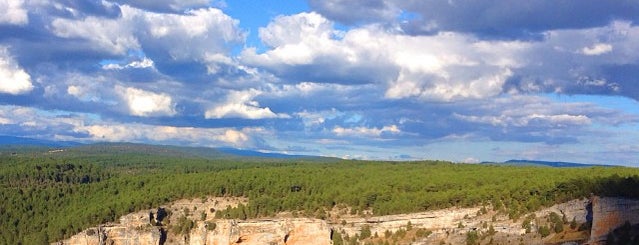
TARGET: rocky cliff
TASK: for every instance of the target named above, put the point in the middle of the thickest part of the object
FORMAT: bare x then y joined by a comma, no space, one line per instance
609,214
449,226
142,227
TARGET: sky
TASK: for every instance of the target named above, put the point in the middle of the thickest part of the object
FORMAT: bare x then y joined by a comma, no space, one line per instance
458,80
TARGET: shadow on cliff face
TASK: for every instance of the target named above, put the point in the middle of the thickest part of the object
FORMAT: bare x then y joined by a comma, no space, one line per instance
589,214
617,186
611,186
162,236
626,234
613,211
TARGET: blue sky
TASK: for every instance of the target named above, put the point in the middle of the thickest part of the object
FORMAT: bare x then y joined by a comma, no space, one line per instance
466,81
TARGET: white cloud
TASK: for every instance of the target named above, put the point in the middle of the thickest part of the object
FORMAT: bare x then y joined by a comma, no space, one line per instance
42,122
241,104
194,35
534,113
317,118
190,36
114,36
442,67
13,12
233,136
366,132
446,66
139,64
597,49
13,79
86,88
144,103
296,40
580,61
215,62
75,91
67,126
142,132
470,160
510,119
296,29
171,5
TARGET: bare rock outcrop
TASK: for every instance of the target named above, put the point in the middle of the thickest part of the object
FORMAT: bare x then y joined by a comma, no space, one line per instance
143,228
116,235
575,209
450,226
609,214
266,231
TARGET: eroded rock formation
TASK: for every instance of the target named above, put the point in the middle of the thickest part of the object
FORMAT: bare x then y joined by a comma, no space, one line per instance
449,225
609,214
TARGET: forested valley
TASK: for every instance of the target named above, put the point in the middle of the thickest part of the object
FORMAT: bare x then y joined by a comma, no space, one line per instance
47,196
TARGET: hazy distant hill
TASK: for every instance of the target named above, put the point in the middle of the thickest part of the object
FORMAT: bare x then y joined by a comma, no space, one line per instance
13,140
21,144
547,164
13,143
180,151
250,153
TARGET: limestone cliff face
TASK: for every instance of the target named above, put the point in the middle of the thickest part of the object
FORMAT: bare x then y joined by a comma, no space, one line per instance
609,214
116,235
577,209
137,228
288,232
255,232
447,225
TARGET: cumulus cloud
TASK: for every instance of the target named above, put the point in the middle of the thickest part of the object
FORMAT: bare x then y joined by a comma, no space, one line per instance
13,79
538,119
312,119
352,12
112,36
75,91
597,49
88,91
145,103
31,122
13,12
142,132
365,131
470,160
443,67
166,5
580,62
79,90
241,104
194,34
505,120
136,64
483,18
83,127
449,66
172,41
296,28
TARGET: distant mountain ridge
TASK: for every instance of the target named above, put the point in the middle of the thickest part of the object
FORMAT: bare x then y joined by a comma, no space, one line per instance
14,143
251,153
554,164
14,140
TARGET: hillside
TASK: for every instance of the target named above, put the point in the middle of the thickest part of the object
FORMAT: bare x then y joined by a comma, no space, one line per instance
48,196
11,144
547,164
